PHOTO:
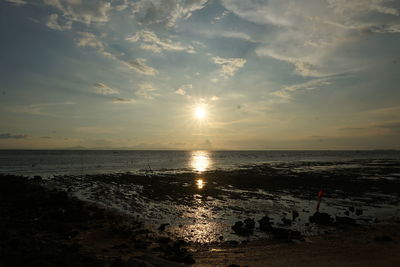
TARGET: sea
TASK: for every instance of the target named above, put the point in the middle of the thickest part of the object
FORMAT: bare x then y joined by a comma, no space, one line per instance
48,163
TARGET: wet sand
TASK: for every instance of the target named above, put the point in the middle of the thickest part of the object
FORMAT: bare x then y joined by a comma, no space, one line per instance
170,219
376,245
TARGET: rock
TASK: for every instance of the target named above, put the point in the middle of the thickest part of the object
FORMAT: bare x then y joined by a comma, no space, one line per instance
265,224
162,226
37,178
295,214
345,220
240,229
233,265
359,212
346,213
221,238
249,223
321,218
351,209
287,222
383,238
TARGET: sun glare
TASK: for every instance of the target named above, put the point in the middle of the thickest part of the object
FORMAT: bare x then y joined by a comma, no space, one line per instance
200,113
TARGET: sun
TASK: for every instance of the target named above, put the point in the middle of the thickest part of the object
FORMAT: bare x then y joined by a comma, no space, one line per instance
200,113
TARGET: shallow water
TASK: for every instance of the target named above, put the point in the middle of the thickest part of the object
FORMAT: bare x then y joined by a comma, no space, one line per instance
48,163
201,206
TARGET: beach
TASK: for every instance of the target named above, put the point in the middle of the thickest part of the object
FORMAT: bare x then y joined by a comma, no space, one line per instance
262,215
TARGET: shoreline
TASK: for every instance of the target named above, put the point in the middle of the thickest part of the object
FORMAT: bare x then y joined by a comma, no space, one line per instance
68,229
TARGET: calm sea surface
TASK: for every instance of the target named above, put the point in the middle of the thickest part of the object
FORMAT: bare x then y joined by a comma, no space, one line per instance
78,162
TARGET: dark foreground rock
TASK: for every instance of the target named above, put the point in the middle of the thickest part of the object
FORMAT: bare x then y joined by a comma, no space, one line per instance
321,218
44,227
244,228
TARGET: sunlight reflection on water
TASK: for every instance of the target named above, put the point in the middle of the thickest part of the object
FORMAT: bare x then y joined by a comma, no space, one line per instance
203,228
200,160
200,183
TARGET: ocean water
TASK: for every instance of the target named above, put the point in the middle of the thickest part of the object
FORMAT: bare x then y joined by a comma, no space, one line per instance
49,163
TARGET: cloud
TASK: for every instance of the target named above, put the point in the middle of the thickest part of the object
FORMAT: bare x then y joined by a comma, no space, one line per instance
52,23
13,136
150,41
213,33
287,91
17,2
165,12
220,17
388,127
183,89
355,7
87,11
313,35
214,98
229,66
102,89
121,100
87,39
97,130
146,90
139,65
38,109
236,35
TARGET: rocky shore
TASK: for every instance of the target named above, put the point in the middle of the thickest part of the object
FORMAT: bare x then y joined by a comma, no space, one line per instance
44,226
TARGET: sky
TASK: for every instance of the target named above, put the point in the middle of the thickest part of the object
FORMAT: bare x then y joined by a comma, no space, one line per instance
268,74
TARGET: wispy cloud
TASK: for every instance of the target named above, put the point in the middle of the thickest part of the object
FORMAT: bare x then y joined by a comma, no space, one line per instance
313,39
150,41
183,89
17,2
139,65
13,136
166,13
229,66
146,90
87,39
52,23
103,89
220,17
38,109
87,12
121,100
287,91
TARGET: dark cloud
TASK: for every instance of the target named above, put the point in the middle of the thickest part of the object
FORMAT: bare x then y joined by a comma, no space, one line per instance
12,136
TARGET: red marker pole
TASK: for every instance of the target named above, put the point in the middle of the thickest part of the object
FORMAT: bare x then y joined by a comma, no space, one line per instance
320,195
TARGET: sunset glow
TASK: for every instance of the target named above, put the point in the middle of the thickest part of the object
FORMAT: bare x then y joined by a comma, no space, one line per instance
200,113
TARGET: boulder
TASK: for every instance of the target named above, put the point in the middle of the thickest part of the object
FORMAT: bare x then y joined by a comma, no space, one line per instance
321,218
249,223
265,224
240,229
